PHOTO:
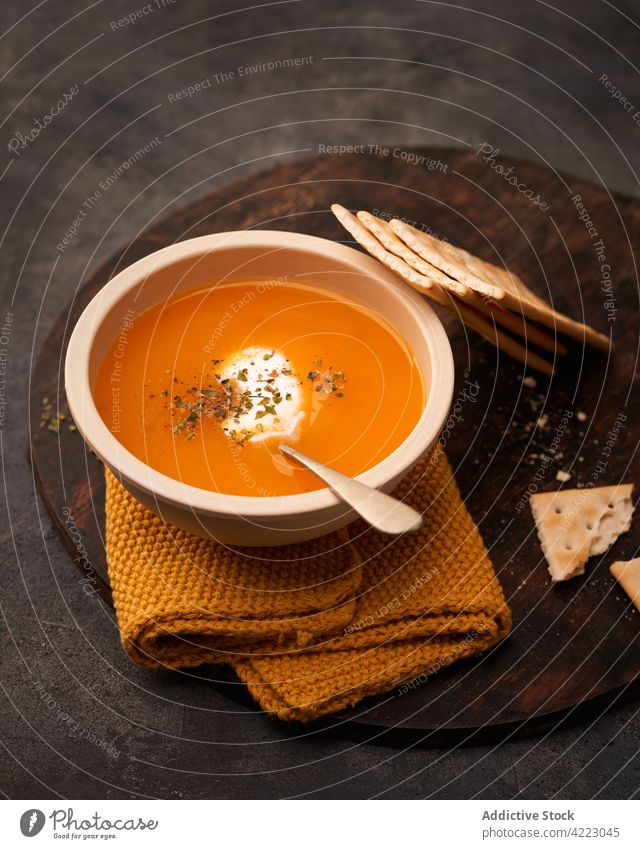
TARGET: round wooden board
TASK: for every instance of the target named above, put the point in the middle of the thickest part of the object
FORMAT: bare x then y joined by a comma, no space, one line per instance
574,647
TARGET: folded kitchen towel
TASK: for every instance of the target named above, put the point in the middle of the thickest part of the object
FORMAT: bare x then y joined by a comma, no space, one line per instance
313,627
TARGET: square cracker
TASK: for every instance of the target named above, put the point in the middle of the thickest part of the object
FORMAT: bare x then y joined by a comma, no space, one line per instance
575,524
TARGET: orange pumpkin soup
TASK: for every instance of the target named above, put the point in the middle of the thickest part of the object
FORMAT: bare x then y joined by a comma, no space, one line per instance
205,386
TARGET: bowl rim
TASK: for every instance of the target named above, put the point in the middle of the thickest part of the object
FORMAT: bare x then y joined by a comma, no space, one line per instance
165,489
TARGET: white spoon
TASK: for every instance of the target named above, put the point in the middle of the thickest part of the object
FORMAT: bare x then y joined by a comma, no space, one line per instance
381,511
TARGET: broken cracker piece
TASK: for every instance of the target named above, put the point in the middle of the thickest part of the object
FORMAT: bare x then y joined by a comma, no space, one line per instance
575,524
627,574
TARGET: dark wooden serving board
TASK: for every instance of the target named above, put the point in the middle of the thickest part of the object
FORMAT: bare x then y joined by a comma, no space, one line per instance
574,647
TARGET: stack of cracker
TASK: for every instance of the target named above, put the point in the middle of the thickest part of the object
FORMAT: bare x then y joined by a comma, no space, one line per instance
490,300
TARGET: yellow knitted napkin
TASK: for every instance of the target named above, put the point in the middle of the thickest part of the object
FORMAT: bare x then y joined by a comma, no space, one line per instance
313,627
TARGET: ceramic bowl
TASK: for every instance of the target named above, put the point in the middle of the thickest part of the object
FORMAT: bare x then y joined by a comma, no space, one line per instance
247,520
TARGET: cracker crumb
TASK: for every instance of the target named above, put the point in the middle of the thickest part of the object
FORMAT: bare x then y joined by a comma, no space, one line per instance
562,476
582,417
542,421
530,381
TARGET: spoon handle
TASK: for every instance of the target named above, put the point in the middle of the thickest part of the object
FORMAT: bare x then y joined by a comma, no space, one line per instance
381,511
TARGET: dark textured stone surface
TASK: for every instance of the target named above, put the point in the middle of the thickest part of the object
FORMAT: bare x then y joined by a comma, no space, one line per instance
77,719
